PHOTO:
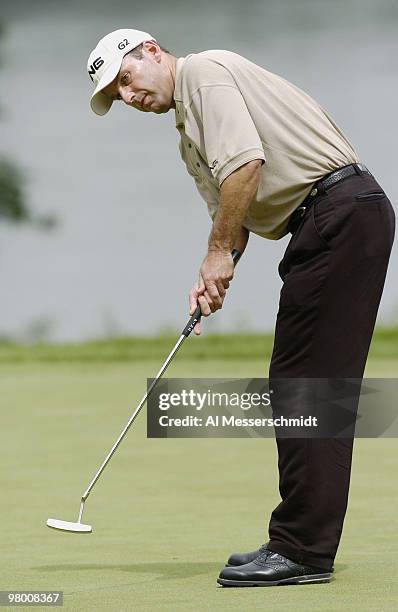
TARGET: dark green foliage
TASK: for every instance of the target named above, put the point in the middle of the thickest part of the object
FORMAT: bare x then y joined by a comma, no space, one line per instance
12,205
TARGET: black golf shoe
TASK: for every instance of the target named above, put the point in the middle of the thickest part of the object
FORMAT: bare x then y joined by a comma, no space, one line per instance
243,558
271,569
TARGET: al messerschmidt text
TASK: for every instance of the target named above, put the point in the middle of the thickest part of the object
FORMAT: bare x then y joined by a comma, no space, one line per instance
232,421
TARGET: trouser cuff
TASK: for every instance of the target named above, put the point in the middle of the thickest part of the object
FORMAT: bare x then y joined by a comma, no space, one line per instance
300,556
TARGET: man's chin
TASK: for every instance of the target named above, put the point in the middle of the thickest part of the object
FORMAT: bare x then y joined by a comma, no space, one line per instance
159,110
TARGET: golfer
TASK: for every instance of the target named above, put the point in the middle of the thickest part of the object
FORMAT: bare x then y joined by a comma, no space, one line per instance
268,159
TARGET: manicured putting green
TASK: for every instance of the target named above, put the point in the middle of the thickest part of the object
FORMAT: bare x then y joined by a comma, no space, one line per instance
166,513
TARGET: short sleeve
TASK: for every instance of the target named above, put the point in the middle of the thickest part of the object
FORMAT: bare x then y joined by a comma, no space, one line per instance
212,210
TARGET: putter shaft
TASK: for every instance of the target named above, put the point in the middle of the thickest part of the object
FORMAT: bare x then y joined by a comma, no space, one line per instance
195,318
131,421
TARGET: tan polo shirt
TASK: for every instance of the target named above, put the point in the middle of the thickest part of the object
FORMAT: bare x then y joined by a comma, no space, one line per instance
230,111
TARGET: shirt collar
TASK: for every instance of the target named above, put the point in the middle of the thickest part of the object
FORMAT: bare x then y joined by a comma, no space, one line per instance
179,110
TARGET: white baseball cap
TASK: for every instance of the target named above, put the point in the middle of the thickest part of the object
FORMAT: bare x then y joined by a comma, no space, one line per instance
104,63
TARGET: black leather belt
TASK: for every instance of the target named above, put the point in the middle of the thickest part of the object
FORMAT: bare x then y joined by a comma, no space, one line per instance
320,187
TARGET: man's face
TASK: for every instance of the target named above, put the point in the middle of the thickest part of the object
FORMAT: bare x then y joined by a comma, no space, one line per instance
146,84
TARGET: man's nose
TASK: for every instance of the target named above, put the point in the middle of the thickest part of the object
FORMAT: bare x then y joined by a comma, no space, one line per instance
126,96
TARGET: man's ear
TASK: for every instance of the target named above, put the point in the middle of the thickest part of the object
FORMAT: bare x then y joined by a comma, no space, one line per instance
152,48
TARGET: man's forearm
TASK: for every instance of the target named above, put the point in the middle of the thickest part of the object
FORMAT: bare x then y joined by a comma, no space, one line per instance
236,194
241,240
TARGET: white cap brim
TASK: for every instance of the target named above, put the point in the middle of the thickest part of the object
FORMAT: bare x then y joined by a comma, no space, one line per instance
100,103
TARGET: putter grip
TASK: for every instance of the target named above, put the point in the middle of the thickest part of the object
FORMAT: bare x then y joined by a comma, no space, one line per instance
197,314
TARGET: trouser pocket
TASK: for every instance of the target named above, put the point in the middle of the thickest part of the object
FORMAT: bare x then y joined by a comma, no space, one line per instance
370,195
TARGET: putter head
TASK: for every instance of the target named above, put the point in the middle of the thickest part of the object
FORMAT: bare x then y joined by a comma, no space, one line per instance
67,526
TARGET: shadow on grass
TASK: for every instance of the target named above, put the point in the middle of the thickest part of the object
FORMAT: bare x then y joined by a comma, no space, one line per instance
165,570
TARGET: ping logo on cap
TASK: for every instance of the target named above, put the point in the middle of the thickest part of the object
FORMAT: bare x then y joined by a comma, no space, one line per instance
96,65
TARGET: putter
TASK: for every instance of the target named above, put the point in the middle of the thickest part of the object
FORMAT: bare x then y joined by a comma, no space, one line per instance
80,527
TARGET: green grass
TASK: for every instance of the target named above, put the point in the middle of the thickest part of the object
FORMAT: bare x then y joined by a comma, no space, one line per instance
234,346
214,346
166,513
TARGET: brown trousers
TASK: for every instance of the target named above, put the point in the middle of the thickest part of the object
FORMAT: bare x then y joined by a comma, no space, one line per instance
333,274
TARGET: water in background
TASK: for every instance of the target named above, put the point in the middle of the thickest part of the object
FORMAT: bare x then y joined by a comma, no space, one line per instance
132,229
